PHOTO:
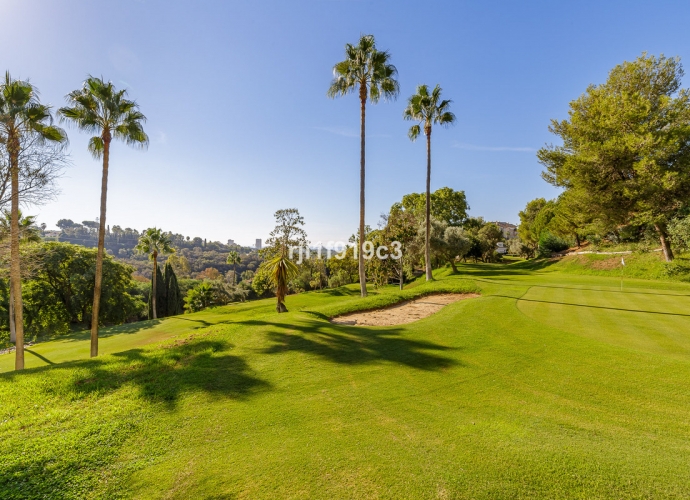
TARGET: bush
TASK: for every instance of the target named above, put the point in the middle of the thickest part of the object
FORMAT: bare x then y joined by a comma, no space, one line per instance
548,244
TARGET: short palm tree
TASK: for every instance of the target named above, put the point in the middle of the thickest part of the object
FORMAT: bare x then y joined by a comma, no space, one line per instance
154,242
22,117
369,71
281,271
234,259
98,108
428,109
28,233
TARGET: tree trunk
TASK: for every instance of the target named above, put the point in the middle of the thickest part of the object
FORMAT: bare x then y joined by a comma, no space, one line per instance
15,269
101,247
153,291
427,243
452,264
577,239
13,330
362,271
665,245
402,274
234,275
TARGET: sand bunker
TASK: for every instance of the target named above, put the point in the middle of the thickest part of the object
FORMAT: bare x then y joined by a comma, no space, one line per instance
405,312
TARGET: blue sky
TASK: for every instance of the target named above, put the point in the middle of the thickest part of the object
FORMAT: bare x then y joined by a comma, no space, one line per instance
239,121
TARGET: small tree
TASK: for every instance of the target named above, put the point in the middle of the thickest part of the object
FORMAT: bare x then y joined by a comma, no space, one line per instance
174,301
281,270
154,242
234,259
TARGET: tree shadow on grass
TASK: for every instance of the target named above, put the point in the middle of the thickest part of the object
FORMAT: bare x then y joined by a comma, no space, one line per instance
354,345
162,375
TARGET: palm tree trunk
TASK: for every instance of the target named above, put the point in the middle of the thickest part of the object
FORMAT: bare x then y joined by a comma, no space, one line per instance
153,291
362,271
427,244
665,245
15,269
13,330
234,275
101,247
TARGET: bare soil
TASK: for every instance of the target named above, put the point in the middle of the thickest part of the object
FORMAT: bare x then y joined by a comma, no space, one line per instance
405,312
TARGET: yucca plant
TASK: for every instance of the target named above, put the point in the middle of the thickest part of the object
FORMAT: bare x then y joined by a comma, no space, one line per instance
281,271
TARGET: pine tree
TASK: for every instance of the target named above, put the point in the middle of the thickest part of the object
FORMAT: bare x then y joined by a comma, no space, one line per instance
161,296
175,304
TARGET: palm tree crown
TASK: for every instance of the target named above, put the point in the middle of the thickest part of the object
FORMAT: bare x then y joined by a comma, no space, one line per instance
154,242
28,231
425,108
234,259
100,109
365,68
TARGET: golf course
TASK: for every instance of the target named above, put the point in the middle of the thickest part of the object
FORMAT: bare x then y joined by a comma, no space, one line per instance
549,384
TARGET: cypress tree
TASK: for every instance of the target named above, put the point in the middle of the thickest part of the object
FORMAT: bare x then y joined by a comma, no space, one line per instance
161,296
174,296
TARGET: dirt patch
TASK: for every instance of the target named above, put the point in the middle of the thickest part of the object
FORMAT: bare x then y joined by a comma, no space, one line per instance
405,312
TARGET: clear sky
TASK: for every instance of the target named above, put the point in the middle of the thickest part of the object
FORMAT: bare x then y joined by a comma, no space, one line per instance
239,121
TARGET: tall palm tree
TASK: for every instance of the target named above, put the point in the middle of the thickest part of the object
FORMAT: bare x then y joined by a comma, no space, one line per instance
234,259
428,109
369,71
281,270
98,108
154,242
22,117
28,233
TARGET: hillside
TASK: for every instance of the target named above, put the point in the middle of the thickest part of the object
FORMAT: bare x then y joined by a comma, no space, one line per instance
550,385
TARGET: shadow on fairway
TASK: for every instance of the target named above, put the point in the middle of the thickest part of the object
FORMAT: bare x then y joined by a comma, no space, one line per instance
610,289
162,375
596,307
354,345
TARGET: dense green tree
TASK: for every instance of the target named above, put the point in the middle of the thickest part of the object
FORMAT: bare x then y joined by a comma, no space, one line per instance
22,118
98,108
527,230
447,205
158,295
428,109
199,298
174,301
287,233
154,242
456,245
234,259
626,146
370,72
28,233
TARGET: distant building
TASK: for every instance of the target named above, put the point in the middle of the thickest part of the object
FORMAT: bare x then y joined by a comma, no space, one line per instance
231,242
509,230
258,244
501,248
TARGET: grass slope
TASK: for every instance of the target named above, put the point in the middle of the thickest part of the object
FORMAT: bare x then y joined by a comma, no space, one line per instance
549,385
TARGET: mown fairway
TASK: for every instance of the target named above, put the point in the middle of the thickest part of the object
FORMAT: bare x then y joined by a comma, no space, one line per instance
549,386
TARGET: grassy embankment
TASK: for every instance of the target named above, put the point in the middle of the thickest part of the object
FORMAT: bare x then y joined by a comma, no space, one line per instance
550,385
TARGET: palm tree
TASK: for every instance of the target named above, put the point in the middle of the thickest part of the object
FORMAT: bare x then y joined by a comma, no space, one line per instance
154,242
281,270
427,109
234,259
100,109
22,117
28,233
369,71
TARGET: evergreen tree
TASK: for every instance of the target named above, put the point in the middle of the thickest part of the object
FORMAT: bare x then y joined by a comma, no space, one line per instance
161,296
175,304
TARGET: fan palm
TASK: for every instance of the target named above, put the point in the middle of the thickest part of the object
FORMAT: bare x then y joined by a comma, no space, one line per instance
154,242
22,117
281,270
234,259
369,71
28,233
428,109
100,109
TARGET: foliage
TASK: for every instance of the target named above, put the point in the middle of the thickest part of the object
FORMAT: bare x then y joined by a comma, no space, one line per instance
199,298
261,282
287,233
679,231
550,244
281,270
447,205
161,296
626,146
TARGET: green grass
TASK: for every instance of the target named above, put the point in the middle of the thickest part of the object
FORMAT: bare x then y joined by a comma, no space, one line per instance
550,385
